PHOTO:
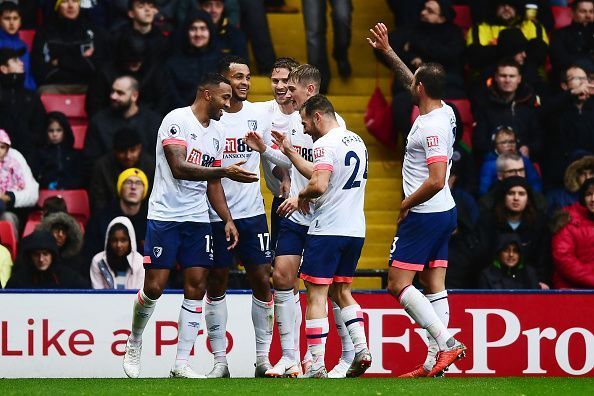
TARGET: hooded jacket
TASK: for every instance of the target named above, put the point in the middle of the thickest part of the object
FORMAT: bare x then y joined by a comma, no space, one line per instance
573,249
57,276
189,64
561,198
14,41
58,166
103,277
27,197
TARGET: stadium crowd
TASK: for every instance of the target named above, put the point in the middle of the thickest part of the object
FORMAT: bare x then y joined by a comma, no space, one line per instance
524,187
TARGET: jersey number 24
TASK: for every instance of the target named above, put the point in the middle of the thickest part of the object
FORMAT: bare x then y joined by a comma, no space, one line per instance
348,159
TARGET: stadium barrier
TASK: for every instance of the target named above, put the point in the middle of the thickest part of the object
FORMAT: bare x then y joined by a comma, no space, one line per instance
82,334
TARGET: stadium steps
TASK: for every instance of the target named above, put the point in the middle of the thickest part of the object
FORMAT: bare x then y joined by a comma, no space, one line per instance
350,97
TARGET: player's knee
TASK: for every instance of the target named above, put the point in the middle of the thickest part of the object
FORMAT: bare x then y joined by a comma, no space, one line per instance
395,287
152,289
282,279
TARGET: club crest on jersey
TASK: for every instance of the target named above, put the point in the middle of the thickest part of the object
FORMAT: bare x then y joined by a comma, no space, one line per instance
432,141
216,144
174,130
157,250
253,125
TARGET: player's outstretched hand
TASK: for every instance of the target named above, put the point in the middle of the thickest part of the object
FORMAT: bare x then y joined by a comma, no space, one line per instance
237,173
255,141
380,38
281,140
288,206
231,234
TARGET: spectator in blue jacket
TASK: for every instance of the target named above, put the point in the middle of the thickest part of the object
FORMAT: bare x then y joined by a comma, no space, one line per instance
10,24
576,174
505,148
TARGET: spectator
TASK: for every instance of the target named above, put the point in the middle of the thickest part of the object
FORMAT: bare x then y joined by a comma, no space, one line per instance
504,142
141,17
198,55
482,37
574,44
132,58
132,187
52,205
5,266
434,38
38,266
314,18
255,27
572,247
508,270
127,153
69,238
57,165
575,175
119,266
10,24
509,165
124,111
18,188
21,111
569,122
231,39
508,101
515,212
67,50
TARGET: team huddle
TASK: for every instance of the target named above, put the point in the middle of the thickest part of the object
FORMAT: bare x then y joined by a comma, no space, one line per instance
206,211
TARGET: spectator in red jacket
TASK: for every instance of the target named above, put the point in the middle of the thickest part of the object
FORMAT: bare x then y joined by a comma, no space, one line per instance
573,244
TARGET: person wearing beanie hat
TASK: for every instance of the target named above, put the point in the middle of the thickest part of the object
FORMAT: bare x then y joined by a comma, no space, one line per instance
127,152
132,178
572,244
515,212
508,269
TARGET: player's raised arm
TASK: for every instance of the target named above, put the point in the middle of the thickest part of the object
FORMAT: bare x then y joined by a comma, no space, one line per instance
381,44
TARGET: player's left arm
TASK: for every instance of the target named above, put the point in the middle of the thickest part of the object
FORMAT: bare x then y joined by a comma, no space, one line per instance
216,197
318,184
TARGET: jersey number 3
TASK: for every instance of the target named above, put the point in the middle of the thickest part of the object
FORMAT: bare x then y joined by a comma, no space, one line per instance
353,182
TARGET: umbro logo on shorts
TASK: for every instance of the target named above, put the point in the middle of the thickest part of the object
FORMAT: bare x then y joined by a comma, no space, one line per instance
157,250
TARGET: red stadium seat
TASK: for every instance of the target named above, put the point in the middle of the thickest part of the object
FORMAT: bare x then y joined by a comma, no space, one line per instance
463,17
77,202
463,106
27,36
73,106
79,131
30,227
562,16
8,238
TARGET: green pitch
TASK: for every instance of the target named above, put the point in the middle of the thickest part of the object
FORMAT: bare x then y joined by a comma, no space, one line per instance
265,387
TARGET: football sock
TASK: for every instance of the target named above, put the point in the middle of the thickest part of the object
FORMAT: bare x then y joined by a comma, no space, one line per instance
215,316
142,311
263,320
353,320
297,330
316,332
348,349
188,326
284,309
439,302
420,309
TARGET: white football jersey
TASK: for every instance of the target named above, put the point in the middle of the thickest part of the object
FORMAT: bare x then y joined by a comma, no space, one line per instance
303,144
184,200
243,199
430,140
280,122
339,211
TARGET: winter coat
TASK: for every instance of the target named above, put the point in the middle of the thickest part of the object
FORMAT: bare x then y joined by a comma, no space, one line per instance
573,249
491,111
102,189
572,44
27,197
22,114
5,266
65,41
103,276
14,41
497,277
107,122
232,40
189,64
560,198
155,40
59,166
57,276
488,174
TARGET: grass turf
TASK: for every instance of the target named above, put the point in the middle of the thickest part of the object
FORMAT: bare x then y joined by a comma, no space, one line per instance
359,386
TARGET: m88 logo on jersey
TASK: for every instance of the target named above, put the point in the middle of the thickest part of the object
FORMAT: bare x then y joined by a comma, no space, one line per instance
236,145
306,153
197,158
